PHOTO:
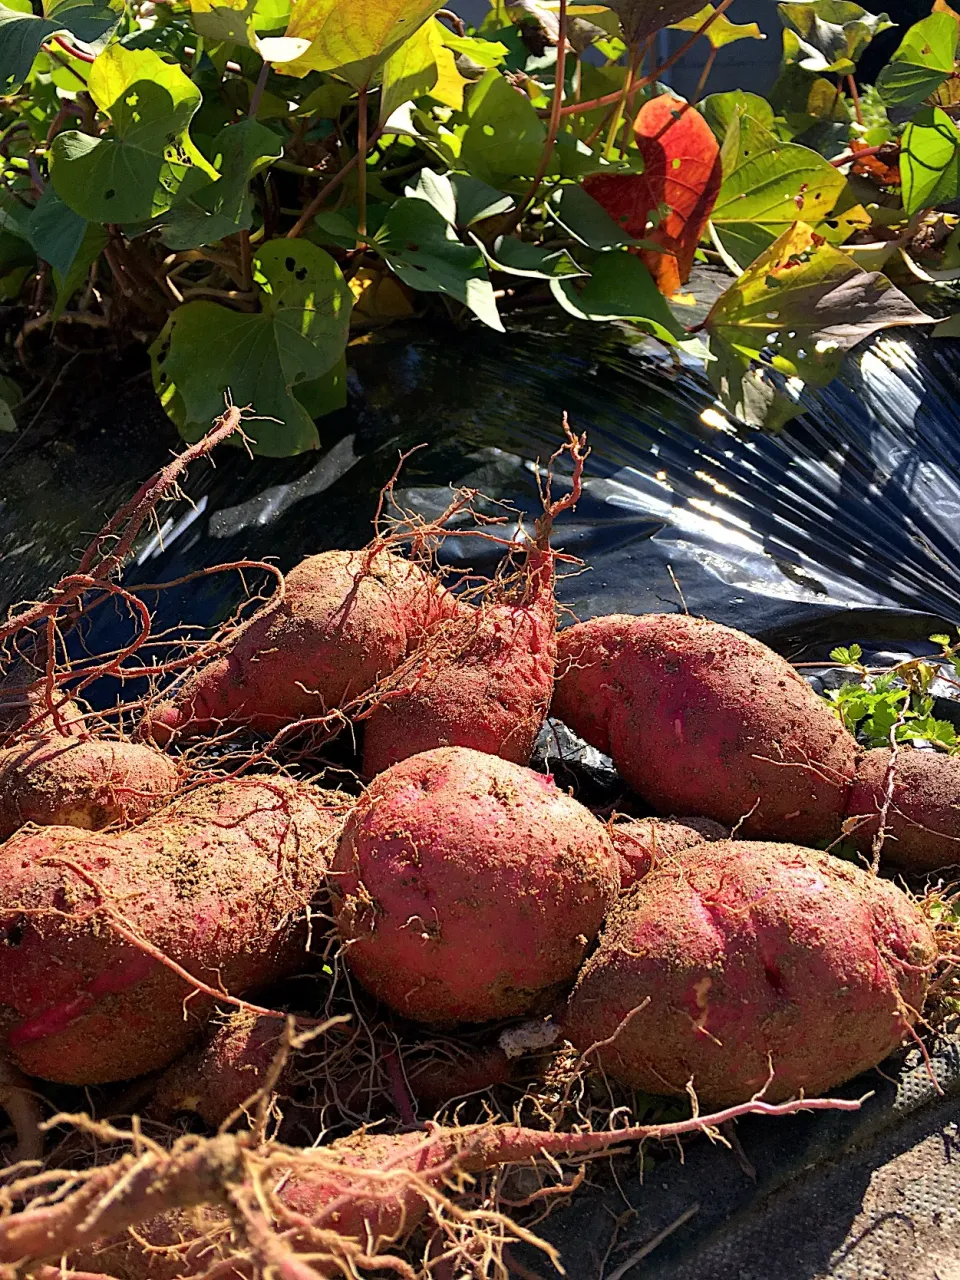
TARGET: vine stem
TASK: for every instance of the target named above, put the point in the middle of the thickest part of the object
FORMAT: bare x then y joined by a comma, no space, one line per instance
74,52
553,128
851,156
362,165
704,75
608,99
303,221
854,94
258,89
628,81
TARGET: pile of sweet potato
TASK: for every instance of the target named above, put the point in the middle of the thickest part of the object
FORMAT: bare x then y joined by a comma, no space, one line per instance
161,913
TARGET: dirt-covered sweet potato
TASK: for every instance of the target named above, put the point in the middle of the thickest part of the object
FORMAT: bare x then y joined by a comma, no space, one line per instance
218,882
703,719
643,842
345,620
76,782
922,824
468,888
741,959
484,681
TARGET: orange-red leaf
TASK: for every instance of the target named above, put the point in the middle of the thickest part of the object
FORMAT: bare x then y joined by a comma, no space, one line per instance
682,172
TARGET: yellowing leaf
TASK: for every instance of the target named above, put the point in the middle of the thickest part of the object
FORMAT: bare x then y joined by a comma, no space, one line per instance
352,37
450,84
409,72
379,298
722,31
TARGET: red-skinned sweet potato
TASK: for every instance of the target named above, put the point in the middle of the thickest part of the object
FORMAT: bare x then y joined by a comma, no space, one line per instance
922,824
643,842
485,681
346,620
703,719
468,888
740,959
218,882
81,782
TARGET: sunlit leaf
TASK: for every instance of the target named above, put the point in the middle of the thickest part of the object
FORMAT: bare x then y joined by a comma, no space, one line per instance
799,308
424,250
22,32
410,71
923,61
929,160
260,359
721,31
351,37
619,288
833,33
718,110
501,134
680,181
231,20
206,211
133,172
768,185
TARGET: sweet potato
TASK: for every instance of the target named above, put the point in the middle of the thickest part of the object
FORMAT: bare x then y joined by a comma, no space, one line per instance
75,782
217,882
703,719
922,824
743,959
485,681
468,888
642,842
345,620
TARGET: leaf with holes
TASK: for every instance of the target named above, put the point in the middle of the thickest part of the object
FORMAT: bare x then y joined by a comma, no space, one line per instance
680,183
352,37
297,337
768,185
22,32
832,33
423,249
133,172
803,304
923,61
206,211
501,134
718,110
929,160
721,31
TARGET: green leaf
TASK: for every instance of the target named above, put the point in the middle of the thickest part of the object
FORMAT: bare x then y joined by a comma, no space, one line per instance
768,185
930,160
922,63
206,211
502,136
722,31
56,231
619,288
298,336
132,173
832,33
482,53
799,308
69,282
540,262
326,394
23,32
352,37
422,248
586,220
718,110
409,72
458,197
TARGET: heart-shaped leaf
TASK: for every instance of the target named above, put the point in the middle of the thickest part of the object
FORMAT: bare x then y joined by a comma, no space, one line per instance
501,134
297,337
680,182
619,288
833,33
929,160
923,61
352,37
798,309
721,31
132,173
768,185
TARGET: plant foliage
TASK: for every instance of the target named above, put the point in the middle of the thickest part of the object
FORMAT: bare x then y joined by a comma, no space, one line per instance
242,185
